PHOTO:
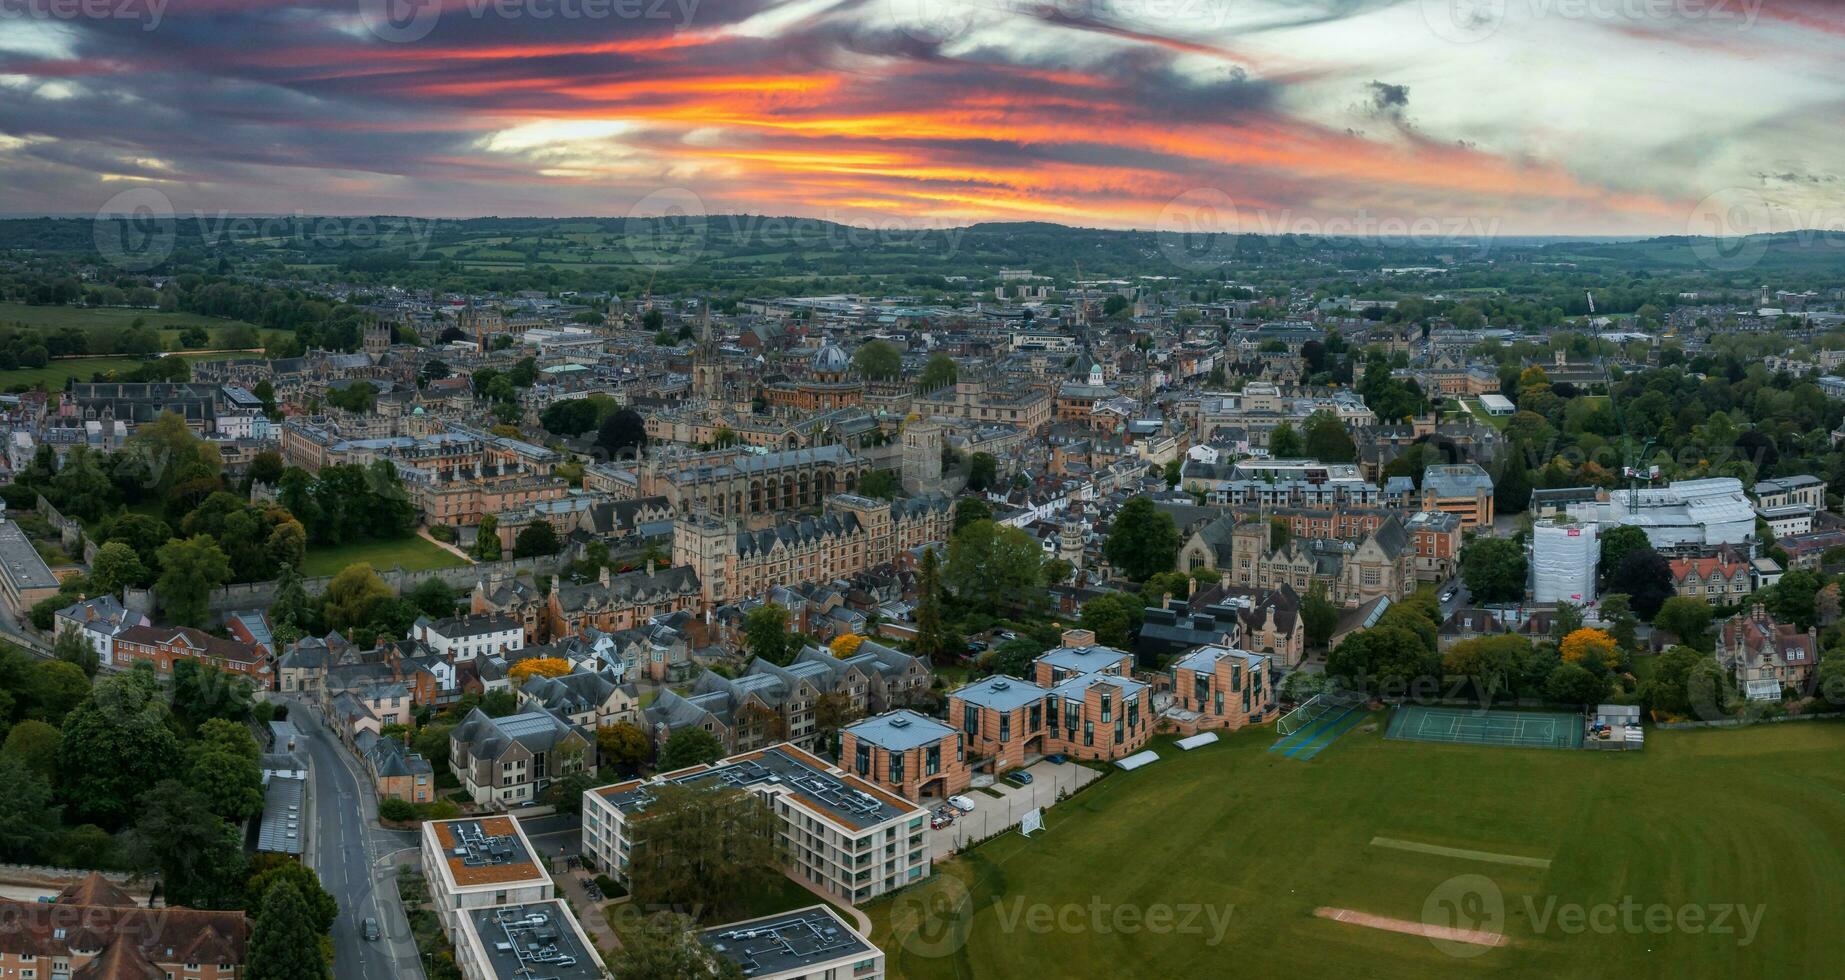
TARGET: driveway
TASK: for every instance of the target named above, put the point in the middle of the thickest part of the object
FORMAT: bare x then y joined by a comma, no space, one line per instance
993,815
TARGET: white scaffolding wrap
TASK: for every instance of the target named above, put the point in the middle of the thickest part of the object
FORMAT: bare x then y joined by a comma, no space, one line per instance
1563,558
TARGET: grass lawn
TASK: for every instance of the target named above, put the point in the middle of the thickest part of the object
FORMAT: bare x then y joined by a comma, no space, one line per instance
1479,412
1699,820
54,374
59,317
411,553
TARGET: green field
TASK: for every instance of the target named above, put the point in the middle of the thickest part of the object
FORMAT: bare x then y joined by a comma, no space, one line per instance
83,318
411,554
1701,823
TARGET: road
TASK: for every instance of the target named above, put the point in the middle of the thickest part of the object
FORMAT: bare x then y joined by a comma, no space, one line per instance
1460,599
350,852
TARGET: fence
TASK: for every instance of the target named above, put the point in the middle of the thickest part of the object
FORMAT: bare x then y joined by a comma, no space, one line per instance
1742,722
36,872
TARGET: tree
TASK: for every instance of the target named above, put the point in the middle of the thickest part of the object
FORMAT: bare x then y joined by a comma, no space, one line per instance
292,609
487,539
665,944
622,748
996,568
932,638
1114,618
689,747
34,744
1685,617
1685,683
538,538
1285,442
1616,543
938,372
166,453
766,634
1591,648
879,484
353,596
1318,613
268,869
189,570
531,667
834,710
1646,577
1494,569
971,509
53,688
878,360
143,533
199,857
1280,532
1142,540
1512,492
1013,657
982,472
1381,659
1163,586
283,943
571,417
1574,684
702,846
1325,438
27,814
1492,664
1794,598
117,744
622,432
116,567
434,597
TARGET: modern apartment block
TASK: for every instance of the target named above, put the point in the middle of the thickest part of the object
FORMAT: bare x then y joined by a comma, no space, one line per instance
843,834
474,864
813,942
1084,705
524,942
910,754
1219,687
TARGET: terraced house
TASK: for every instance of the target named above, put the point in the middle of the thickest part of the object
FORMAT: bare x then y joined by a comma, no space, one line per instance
92,930
910,754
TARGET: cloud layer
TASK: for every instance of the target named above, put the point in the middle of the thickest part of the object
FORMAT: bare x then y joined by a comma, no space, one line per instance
1509,116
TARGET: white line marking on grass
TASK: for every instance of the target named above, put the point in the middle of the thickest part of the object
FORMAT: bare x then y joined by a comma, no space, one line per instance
1541,864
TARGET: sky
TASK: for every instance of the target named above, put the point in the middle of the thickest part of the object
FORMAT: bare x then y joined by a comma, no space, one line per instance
1455,117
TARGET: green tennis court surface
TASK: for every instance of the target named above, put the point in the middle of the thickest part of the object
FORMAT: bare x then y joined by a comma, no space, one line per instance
1521,729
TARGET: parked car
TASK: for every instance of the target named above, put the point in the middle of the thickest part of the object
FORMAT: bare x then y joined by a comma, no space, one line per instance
939,821
371,929
1021,777
1055,760
961,803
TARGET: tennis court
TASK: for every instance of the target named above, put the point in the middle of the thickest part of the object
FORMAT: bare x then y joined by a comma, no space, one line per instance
1520,729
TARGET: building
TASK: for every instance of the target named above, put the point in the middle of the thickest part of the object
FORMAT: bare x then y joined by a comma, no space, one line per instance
1083,704
100,620
1496,404
93,930
1684,514
164,646
1808,492
806,943
1766,656
1719,580
473,864
847,836
1219,687
25,579
853,534
525,941
462,638
1463,489
908,753
511,761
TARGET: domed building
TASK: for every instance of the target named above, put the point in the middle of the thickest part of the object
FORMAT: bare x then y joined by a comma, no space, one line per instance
829,384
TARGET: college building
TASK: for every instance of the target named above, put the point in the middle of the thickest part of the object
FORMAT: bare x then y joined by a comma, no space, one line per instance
1083,704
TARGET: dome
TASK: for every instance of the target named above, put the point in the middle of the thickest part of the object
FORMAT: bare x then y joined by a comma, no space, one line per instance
831,360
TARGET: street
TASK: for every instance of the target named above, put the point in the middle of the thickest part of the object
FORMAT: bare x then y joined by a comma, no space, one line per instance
345,847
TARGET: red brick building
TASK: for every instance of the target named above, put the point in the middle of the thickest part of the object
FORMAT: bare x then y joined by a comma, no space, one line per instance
164,646
910,754
94,929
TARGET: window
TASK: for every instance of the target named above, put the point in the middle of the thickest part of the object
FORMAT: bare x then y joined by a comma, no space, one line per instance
1005,727
932,760
1088,733
896,767
864,758
970,719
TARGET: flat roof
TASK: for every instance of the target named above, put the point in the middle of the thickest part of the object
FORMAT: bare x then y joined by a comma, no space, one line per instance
845,798
900,730
22,561
1001,693
485,851
1086,659
280,830
802,940
535,940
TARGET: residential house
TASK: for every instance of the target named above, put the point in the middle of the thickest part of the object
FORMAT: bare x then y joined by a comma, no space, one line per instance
511,761
1720,580
1219,687
164,646
93,930
1766,656
100,621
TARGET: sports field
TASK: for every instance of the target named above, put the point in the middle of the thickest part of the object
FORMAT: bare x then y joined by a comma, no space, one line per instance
1708,854
412,554
1513,729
